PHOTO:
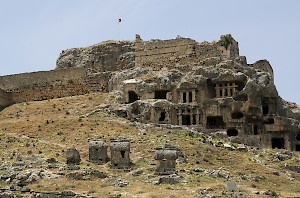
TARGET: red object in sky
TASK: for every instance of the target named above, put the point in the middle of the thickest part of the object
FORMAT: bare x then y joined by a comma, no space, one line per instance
120,20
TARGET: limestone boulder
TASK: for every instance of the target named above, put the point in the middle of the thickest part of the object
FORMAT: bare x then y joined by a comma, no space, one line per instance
102,57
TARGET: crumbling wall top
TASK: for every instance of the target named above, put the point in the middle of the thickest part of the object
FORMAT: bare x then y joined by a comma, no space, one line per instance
120,145
182,51
161,154
98,143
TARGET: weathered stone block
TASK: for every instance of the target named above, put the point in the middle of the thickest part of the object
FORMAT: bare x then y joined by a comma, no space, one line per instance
72,156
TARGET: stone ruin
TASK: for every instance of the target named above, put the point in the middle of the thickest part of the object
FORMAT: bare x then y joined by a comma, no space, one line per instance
120,156
120,153
208,86
72,156
165,161
98,152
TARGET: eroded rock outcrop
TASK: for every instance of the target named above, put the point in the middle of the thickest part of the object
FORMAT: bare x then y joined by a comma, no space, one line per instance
105,56
204,85
207,86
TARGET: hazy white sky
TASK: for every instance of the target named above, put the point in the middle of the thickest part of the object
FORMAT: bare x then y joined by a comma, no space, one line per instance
33,32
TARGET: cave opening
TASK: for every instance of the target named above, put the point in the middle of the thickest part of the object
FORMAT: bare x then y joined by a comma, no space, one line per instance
132,96
186,120
232,132
278,143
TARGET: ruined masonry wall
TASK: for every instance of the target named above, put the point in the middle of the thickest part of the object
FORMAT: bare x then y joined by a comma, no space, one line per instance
52,84
75,81
13,82
180,51
5,99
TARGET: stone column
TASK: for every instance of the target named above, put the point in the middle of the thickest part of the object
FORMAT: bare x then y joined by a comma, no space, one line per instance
228,90
179,115
194,96
223,93
197,116
187,96
234,89
181,97
217,90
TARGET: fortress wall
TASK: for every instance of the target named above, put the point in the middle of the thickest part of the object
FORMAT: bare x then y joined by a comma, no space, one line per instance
5,99
179,51
17,81
53,84
159,44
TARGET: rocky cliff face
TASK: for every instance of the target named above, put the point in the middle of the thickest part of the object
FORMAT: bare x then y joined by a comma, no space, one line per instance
105,56
207,86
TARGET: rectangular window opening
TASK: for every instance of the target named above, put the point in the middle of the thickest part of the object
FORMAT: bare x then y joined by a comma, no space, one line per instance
186,120
190,96
278,143
160,94
183,97
255,130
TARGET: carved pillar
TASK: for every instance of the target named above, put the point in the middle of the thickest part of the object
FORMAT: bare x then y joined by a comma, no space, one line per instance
179,115
181,97
228,90
187,96
168,117
194,96
234,89
217,90
197,117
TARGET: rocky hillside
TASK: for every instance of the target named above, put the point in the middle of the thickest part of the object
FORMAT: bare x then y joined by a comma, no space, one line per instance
204,85
35,135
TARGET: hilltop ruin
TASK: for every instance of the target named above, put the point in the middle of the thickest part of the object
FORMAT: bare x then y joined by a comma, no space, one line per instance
206,85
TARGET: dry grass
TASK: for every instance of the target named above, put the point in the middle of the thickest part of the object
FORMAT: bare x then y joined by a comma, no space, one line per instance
47,128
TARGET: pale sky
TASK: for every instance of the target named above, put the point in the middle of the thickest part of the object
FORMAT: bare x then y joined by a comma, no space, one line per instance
34,32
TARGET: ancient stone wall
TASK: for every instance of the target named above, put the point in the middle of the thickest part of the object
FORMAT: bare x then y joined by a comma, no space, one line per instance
12,82
183,51
53,84
5,99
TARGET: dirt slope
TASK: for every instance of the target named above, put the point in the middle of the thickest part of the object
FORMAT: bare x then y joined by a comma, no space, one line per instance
33,132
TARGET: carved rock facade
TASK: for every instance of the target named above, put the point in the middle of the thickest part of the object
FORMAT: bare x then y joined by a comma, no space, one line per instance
209,87
206,85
